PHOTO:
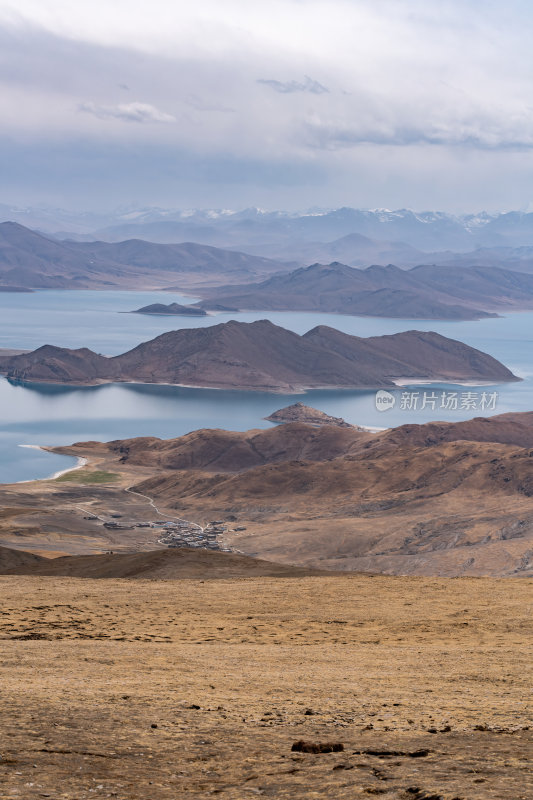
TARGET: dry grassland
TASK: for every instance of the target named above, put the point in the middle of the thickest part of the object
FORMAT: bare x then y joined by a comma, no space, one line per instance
187,689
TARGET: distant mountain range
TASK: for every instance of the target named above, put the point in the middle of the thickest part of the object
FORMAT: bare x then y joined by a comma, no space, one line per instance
31,260
354,249
425,292
428,231
519,259
262,356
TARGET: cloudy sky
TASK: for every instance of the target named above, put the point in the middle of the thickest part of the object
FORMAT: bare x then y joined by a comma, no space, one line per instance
281,104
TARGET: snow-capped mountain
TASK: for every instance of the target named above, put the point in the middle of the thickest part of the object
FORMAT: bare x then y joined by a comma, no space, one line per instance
428,231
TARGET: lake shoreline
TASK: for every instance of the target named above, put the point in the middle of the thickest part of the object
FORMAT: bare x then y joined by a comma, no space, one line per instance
36,412
80,463
285,390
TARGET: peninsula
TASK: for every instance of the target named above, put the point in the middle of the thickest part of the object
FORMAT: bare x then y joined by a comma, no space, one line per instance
425,292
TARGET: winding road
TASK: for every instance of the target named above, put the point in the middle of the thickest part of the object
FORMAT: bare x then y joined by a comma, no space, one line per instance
166,516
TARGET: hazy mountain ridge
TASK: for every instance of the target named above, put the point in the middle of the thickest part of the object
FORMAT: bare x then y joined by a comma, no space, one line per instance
30,260
426,230
353,249
424,292
519,259
429,230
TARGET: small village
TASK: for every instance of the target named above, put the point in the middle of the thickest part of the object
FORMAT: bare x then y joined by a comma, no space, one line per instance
173,533
189,534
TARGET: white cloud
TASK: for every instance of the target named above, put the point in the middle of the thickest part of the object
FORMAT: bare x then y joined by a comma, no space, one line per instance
288,87
128,112
383,71
325,85
201,105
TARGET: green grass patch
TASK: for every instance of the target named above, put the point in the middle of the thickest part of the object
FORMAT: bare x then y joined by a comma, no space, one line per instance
79,476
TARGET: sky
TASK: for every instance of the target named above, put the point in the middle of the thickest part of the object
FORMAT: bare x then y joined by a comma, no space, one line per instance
286,104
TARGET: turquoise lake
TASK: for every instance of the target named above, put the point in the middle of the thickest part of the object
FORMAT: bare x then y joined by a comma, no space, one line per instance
41,414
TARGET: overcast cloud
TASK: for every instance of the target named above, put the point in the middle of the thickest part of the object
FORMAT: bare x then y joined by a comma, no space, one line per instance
287,87
291,104
128,112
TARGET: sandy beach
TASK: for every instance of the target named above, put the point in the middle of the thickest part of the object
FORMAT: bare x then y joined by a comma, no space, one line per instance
81,462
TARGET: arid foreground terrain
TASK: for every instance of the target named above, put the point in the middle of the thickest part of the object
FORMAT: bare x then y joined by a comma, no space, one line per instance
199,677
177,689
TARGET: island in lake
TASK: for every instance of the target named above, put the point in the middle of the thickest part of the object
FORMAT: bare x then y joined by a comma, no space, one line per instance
261,356
172,309
299,412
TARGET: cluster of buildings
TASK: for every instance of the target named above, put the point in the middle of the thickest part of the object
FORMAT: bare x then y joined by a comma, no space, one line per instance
175,533
188,534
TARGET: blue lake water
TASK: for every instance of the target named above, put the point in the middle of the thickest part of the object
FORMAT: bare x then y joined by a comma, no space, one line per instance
49,414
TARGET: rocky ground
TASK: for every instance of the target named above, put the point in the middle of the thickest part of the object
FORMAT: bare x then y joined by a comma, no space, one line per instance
178,689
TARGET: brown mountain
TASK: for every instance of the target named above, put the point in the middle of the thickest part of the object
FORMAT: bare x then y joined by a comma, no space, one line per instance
405,354
30,260
216,450
56,365
512,428
442,498
18,559
230,451
418,293
263,356
174,564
